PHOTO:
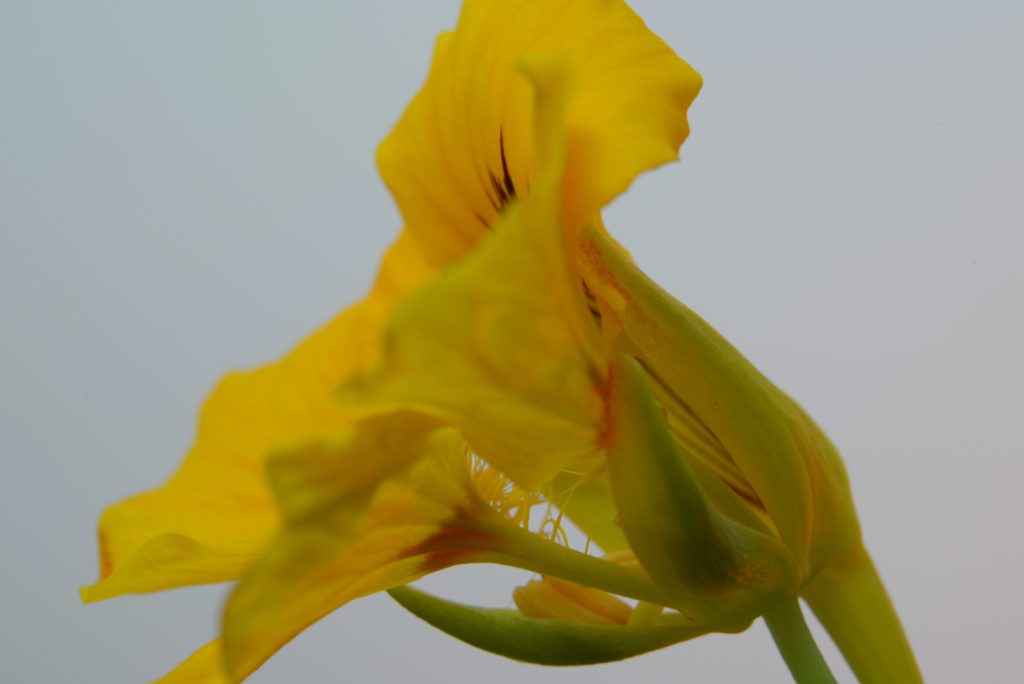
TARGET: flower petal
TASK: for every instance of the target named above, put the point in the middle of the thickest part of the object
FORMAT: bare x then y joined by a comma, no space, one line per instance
205,666
501,345
551,597
361,511
464,147
210,519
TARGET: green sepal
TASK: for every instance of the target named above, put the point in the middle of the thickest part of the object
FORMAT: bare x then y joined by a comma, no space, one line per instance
794,470
685,528
511,634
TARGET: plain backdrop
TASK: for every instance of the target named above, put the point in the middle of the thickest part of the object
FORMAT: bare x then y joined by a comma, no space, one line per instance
188,187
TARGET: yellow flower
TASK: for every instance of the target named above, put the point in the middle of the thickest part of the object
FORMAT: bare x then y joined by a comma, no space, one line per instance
732,498
216,515
511,356
321,559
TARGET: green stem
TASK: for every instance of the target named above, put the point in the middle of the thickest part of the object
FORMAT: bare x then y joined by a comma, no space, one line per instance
786,623
523,549
852,604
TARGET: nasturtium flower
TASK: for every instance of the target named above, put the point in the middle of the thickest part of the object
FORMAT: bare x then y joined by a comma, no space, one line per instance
511,358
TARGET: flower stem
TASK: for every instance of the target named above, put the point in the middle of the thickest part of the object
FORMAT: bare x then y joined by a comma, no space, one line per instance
786,623
852,604
523,549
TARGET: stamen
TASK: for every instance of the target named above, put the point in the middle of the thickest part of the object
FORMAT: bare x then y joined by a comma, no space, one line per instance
500,493
551,528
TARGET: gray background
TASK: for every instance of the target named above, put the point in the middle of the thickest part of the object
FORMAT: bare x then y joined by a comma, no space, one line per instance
188,187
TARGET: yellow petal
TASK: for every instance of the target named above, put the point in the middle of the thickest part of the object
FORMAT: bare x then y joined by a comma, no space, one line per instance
464,148
210,519
205,666
501,345
556,599
362,512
